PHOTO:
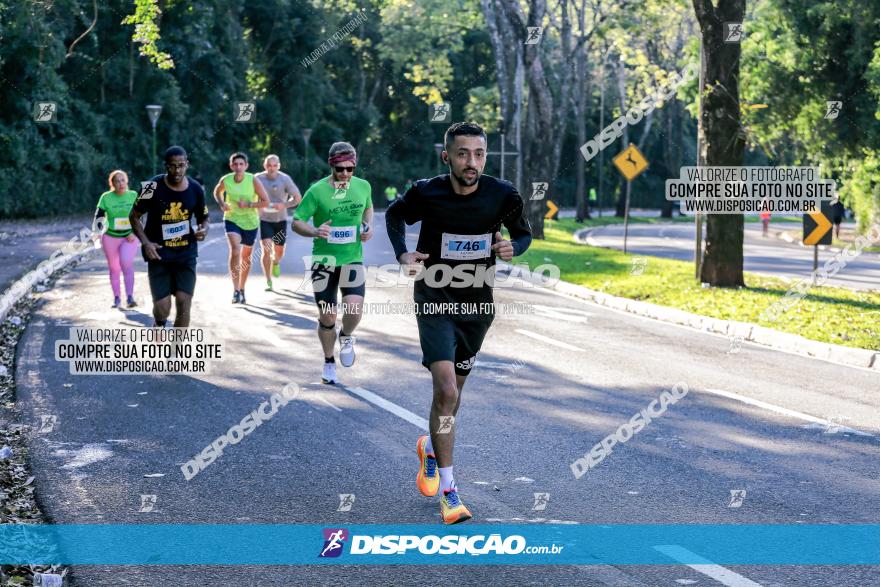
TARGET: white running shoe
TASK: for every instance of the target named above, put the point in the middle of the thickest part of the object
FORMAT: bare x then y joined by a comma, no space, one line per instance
346,350
329,375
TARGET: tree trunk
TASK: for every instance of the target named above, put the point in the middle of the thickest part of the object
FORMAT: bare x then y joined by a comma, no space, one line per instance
519,76
508,68
540,144
672,149
582,211
537,157
722,136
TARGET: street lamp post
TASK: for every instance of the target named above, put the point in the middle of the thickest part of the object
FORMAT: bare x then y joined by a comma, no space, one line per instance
306,133
501,132
153,111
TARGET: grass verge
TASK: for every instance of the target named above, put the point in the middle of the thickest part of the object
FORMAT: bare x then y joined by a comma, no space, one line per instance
826,314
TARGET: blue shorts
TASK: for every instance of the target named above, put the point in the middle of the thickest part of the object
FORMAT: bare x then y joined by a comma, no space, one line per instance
247,236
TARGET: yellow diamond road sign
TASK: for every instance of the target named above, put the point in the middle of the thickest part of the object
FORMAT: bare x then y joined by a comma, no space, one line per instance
631,163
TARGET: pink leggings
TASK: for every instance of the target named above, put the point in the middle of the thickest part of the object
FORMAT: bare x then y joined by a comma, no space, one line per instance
120,257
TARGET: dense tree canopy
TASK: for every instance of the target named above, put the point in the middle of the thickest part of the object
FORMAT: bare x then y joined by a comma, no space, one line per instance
374,81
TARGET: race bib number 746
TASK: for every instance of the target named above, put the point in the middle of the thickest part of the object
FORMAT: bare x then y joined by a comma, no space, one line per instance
465,246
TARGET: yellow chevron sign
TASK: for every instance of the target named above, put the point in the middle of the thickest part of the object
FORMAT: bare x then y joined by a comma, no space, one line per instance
552,209
817,227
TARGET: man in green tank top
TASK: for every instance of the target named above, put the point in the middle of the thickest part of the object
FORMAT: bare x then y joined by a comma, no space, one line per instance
240,196
341,209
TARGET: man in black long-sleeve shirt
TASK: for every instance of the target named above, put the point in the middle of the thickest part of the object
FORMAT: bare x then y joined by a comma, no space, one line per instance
461,215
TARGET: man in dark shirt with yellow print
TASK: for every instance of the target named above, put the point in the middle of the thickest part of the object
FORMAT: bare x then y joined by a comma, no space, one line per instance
170,201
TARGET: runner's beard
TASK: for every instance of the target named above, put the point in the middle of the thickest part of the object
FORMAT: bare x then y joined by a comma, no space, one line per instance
466,182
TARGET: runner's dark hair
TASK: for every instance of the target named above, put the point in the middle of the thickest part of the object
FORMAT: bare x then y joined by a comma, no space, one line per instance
461,129
174,151
238,155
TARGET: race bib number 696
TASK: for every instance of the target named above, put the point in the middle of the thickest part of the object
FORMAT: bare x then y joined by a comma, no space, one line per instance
341,235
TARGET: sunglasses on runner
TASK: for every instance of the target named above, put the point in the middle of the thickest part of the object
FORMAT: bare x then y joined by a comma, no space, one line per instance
340,169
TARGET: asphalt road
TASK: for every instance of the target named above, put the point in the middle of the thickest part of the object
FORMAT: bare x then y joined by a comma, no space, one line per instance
768,256
547,387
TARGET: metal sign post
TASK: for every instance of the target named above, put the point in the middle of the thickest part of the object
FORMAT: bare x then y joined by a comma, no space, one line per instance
631,163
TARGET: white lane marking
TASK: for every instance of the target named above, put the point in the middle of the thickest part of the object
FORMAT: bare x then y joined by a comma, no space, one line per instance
787,412
548,340
532,521
272,338
323,399
721,574
563,314
387,405
494,365
86,455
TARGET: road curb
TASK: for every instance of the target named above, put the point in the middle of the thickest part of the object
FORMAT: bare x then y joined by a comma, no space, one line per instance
18,289
21,287
582,236
746,331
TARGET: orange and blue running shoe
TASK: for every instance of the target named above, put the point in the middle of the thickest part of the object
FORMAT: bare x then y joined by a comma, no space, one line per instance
428,479
451,509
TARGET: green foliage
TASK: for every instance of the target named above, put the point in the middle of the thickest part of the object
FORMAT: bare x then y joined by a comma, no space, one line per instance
482,107
223,51
414,31
827,314
796,58
146,32
373,87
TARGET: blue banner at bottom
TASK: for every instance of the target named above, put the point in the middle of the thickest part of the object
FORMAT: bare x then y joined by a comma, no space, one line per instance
245,544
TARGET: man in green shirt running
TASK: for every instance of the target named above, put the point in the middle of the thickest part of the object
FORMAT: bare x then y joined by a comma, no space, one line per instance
240,196
341,209
390,194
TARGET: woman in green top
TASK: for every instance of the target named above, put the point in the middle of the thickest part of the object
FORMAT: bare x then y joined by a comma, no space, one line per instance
118,242
240,196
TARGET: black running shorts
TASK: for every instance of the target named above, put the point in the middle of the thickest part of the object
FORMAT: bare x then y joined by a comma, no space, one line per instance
326,280
169,277
443,338
275,231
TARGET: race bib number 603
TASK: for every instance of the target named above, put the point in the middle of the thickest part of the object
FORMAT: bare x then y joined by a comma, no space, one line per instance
465,246
177,229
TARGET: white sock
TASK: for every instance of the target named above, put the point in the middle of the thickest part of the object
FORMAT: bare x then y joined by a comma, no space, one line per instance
446,480
429,448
